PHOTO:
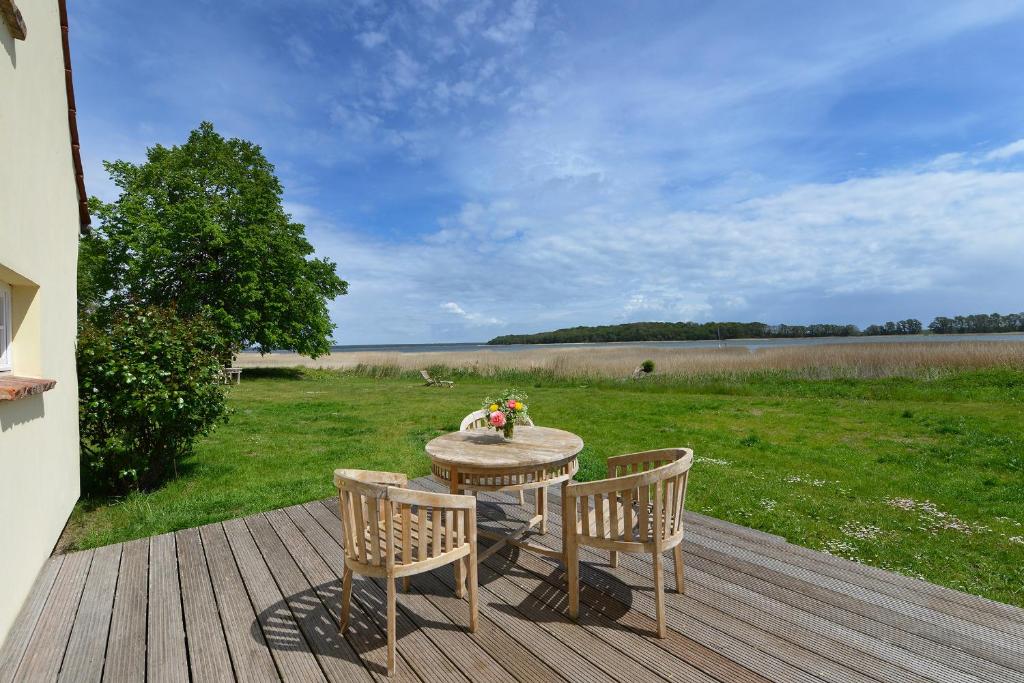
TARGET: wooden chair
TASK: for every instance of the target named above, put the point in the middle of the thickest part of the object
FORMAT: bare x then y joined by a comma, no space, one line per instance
431,382
395,532
637,509
478,418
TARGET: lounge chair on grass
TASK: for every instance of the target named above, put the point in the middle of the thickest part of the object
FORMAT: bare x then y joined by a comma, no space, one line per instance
431,382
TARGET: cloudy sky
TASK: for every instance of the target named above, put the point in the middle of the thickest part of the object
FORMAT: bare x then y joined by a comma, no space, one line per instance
479,168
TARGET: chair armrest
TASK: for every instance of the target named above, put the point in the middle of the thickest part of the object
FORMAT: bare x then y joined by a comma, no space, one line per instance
369,477
661,457
450,501
620,484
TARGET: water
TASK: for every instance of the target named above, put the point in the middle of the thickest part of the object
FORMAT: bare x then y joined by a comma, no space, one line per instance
751,344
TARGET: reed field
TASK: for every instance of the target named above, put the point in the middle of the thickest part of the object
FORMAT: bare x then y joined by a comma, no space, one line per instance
819,361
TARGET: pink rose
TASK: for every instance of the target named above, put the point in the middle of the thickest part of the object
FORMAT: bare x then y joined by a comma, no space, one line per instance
511,404
498,418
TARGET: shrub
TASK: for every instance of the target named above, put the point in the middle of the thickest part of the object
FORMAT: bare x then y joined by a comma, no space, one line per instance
148,387
647,366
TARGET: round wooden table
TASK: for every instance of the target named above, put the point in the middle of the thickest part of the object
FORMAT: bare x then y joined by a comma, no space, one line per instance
483,460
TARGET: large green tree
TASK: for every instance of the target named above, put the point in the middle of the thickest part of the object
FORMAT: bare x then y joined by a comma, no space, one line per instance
200,226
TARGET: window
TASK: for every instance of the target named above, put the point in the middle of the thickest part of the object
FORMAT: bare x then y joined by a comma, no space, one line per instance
5,327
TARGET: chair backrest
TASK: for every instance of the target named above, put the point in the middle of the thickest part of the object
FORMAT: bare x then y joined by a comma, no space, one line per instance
478,418
426,375
639,507
386,526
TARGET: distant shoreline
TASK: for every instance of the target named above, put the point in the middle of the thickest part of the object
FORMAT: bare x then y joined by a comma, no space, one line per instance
350,356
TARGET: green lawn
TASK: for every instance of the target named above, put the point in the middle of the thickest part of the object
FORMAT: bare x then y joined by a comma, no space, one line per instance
924,477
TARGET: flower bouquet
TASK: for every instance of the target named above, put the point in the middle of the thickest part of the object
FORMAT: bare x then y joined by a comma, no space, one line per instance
505,411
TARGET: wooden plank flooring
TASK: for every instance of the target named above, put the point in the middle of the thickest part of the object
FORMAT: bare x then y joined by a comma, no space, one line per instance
257,599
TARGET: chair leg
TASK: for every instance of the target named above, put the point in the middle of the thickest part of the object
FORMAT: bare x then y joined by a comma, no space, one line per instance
472,591
460,577
392,610
471,559
346,598
572,566
613,558
522,498
659,594
680,582
542,508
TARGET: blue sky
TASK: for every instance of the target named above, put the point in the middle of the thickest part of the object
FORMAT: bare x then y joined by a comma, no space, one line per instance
479,168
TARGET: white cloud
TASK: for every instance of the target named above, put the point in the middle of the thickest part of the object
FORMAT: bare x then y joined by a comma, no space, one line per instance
467,20
453,307
300,50
371,39
1005,152
471,318
356,123
516,24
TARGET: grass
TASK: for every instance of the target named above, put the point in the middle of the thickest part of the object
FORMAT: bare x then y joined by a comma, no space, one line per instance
924,476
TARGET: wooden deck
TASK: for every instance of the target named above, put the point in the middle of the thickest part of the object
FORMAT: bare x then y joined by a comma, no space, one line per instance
257,599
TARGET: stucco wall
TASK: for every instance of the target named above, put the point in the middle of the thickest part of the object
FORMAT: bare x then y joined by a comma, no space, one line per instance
39,481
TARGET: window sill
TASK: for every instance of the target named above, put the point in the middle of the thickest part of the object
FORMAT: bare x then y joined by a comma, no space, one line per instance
13,387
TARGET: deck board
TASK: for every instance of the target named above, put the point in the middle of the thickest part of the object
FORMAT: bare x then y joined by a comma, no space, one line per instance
208,656
126,645
257,599
166,658
21,631
83,661
247,647
45,651
294,658
337,659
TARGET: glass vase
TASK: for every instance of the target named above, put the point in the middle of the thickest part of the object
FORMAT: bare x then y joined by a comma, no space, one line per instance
508,429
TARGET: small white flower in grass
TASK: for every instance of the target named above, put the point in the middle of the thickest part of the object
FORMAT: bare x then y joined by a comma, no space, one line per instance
932,518
864,532
840,548
794,479
768,504
1017,539
715,461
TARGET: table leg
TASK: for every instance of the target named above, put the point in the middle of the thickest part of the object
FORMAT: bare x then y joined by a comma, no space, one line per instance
542,508
453,484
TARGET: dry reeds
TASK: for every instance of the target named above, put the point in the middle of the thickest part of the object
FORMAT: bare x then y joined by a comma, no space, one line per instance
818,361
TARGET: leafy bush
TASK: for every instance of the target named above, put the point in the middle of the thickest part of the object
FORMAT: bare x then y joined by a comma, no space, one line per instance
148,387
647,366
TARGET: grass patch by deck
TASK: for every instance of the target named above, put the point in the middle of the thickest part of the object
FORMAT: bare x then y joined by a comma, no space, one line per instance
920,476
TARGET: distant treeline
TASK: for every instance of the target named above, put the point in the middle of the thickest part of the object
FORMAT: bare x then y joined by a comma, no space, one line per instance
691,331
